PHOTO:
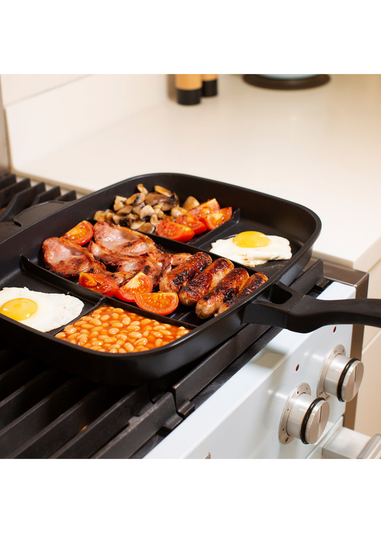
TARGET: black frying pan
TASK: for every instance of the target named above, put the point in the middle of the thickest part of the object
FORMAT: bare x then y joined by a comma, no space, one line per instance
274,303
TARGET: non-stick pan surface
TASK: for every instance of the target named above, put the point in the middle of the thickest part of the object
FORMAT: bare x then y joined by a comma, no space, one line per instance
21,264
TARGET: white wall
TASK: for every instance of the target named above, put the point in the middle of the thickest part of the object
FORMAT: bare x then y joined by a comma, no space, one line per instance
46,112
18,87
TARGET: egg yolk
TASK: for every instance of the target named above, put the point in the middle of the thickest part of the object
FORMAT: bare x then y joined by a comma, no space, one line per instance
19,308
251,239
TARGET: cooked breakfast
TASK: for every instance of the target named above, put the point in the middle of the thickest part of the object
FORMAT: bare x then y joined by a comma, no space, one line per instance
128,265
114,330
251,248
41,311
166,284
159,212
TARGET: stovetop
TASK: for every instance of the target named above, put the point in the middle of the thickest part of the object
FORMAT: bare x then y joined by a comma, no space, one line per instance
48,413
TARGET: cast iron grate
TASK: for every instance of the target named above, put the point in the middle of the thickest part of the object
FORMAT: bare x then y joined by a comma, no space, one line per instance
16,195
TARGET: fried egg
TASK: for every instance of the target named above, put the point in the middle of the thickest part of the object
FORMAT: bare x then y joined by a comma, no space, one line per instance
41,311
253,248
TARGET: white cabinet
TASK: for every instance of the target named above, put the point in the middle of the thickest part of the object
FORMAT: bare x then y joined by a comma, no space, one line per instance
368,412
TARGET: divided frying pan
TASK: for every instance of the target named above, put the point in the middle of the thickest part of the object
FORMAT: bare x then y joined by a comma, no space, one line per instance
273,304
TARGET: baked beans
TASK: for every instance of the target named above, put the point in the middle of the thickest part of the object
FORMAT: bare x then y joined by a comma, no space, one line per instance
114,330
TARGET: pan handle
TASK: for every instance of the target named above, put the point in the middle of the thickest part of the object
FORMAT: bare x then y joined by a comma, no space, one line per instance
292,310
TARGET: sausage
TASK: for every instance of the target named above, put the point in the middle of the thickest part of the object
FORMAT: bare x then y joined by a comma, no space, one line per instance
205,282
181,275
230,285
255,281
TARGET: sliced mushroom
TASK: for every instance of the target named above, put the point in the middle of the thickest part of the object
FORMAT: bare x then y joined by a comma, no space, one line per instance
109,214
137,209
125,222
147,227
126,210
140,198
167,206
136,199
177,211
190,203
132,217
153,198
121,220
119,202
159,212
162,190
142,189
154,220
137,224
100,216
147,211
176,198
144,208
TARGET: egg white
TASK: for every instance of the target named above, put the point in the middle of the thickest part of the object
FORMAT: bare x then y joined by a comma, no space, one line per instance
278,248
53,310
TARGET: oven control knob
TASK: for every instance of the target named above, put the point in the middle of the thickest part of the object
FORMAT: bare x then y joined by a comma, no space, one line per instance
340,376
304,417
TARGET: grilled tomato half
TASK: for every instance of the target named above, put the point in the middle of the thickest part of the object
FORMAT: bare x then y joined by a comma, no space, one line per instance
81,234
162,303
139,283
98,283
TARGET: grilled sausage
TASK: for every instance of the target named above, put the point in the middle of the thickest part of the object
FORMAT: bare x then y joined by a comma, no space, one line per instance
230,285
205,282
181,275
255,281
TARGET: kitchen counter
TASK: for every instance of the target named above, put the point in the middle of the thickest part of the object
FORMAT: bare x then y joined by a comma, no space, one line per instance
318,147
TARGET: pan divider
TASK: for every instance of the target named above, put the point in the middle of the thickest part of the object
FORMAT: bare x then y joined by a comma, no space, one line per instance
169,319
90,299
64,284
